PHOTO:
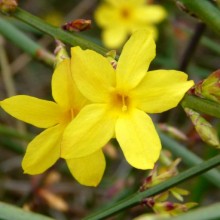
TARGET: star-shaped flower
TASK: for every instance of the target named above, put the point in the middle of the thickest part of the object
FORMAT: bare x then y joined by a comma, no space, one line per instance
119,99
46,148
120,18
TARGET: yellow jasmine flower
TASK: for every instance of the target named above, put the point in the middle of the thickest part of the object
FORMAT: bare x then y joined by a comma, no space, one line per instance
119,99
46,148
120,18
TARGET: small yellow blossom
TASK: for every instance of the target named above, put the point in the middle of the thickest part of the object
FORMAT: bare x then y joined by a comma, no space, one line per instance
119,99
45,149
120,18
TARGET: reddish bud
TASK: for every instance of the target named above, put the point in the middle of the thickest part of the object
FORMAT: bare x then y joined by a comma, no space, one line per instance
148,202
77,25
169,206
8,6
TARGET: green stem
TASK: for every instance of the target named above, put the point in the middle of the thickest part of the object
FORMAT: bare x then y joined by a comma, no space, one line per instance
10,132
206,11
189,158
139,196
57,33
21,40
201,105
9,212
214,46
6,70
11,145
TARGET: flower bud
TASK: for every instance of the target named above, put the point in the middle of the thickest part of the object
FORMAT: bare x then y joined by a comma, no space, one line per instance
111,55
60,52
77,25
210,87
8,6
205,130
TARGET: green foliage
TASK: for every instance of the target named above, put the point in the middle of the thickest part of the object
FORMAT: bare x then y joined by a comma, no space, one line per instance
205,11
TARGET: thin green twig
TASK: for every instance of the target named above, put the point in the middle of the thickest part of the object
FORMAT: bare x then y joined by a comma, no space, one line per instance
57,33
5,70
206,11
189,158
25,43
9,212
8,79
201,105
12,133
136,198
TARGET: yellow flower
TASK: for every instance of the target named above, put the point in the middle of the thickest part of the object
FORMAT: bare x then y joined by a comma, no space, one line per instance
45,149
120,18
119,99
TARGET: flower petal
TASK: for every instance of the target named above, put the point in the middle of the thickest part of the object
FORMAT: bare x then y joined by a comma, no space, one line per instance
38,112
106,15
138,139
114,37
150,28
43,151
92,128
161,90
93,74
64,90
135,59
88,170
150,14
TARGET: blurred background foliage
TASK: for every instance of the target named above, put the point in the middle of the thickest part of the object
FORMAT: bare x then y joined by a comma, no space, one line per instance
184,43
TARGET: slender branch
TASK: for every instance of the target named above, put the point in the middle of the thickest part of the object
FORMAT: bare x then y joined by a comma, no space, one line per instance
210,44
8,212
8,79
11,145
187,56
57,33
12,133
21,40
206,11
188,158
191,47
77,12
139,196
6,71
201,105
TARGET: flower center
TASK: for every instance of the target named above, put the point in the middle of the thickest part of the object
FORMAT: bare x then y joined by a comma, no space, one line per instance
121,101
72,115
68,115
125,13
